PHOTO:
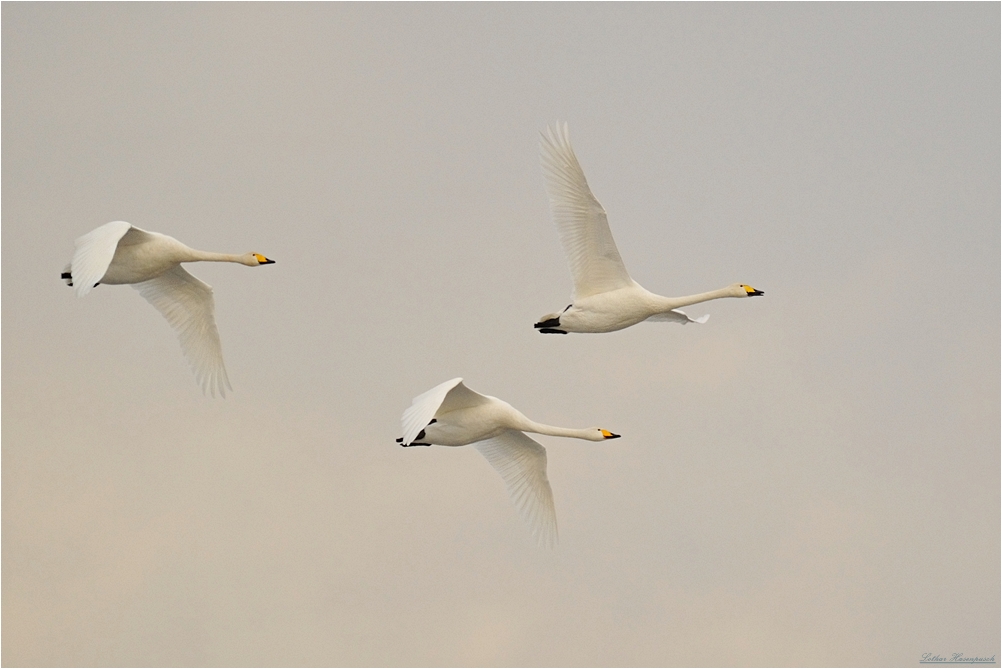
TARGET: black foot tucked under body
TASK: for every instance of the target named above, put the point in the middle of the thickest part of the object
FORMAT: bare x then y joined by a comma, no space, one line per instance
66,276
400,440
548,323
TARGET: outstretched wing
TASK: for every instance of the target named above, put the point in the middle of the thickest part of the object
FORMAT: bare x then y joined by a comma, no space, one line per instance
521,462
95,250
443,398
678,316
596,266
187,304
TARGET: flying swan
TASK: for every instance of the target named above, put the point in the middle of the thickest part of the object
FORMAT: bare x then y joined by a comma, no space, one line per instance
450,414
605,298
118,253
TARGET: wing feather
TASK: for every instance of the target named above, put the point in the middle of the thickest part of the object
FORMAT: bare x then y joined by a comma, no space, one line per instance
678,316
93,254
521,462
187,304
595,263
441,399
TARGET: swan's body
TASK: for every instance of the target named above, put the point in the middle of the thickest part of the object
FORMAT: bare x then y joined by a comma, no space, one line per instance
120,253
605,298
450,414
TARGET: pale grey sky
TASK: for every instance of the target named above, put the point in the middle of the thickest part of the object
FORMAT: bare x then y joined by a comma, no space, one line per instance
812,477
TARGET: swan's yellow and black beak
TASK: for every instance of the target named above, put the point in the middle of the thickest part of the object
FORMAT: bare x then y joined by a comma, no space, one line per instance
262,260
609,435
752,292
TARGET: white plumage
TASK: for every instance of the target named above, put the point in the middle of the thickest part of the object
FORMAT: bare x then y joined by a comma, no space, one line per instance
450,414
120,253
605,298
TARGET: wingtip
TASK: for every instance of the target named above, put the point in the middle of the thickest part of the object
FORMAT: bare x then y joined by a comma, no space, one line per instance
554,131
702,319
547,537
212,386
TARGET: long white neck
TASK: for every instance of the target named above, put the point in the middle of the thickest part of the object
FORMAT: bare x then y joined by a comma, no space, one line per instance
668,303
539,428
208,256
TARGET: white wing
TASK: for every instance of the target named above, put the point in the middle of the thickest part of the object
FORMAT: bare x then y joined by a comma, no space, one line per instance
596,266
187,304
443,398
521,462
93,254
679,316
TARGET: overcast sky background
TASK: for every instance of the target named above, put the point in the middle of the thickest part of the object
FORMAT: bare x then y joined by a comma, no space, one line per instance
812,477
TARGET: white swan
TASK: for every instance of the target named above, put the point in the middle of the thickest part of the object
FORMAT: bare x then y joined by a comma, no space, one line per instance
118,253
605,297
450,414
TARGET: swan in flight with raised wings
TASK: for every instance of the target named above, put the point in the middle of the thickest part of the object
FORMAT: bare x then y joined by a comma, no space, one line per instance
605,298
450,414
118,253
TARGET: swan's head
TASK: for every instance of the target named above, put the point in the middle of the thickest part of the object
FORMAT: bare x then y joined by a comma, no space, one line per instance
602,435
255,259
744,290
